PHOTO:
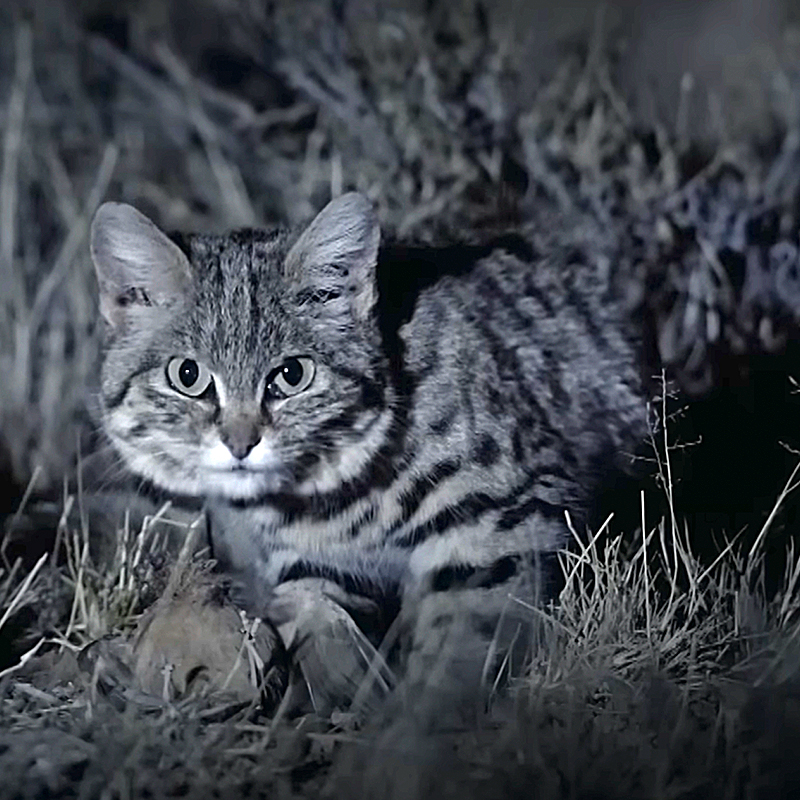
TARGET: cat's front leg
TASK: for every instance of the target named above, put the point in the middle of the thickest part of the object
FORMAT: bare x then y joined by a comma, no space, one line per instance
469,629
331,610
338,662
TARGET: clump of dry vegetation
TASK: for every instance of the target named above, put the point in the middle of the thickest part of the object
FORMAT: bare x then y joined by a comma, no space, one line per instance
657,674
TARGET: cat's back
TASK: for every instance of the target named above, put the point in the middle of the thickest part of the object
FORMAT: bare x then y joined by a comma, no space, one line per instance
538,345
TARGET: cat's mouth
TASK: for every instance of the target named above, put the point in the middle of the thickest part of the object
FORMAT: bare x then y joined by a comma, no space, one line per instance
223,475
241,481
242,472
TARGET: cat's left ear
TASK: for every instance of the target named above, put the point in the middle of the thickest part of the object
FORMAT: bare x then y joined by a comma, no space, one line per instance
333,262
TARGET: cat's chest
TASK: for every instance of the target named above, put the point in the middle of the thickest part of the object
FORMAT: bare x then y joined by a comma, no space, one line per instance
259,533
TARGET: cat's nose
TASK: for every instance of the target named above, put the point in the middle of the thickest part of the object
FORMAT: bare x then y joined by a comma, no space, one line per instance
240,436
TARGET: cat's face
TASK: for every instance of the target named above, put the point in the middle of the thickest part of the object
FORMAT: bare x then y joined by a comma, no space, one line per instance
250,365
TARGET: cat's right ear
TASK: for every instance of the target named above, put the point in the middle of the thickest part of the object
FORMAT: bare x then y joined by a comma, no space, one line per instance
334,260
137,265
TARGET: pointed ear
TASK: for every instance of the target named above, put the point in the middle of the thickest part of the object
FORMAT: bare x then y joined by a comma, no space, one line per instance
137,265
332,264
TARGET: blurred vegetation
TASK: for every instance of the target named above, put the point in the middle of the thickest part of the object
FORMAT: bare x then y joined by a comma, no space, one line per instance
659,675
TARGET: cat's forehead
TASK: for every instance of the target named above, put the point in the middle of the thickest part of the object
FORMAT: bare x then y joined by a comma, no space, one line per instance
239,318
230,258
241,271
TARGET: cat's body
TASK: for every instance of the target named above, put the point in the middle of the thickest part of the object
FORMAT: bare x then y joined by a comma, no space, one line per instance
362,446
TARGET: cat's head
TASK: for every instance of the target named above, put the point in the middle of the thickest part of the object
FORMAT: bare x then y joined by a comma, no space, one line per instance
245,364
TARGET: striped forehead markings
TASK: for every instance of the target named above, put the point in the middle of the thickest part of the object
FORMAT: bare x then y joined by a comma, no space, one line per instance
255,304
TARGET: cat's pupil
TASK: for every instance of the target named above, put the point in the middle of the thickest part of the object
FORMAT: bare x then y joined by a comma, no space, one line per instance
189,373
292,372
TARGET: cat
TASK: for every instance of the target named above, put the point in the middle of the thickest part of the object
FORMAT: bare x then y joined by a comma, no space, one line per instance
386,437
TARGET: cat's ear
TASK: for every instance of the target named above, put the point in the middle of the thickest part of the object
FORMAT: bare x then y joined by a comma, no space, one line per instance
137,265
332,264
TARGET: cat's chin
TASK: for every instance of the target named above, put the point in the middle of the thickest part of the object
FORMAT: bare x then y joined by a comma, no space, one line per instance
239,484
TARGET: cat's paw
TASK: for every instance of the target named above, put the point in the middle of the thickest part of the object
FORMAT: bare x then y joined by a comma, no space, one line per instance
339,664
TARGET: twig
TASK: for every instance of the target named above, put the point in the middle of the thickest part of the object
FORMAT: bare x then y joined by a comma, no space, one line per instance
66,201
12,145
538,168
64,260
19,595
433,208
232,190
184,556
341,98
19,512
646,576
166,98
790,485
23,659
273,117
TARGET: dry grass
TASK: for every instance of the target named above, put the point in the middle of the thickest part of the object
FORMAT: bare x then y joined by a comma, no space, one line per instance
654,676
658,674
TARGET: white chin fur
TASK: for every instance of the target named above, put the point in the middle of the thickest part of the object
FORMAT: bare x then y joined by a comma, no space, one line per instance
239,484
215,476
226,476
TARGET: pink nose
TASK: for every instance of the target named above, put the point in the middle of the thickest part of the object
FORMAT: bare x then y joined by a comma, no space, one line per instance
240,436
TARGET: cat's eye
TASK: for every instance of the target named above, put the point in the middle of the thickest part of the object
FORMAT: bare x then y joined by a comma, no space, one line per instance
188,376
291,377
